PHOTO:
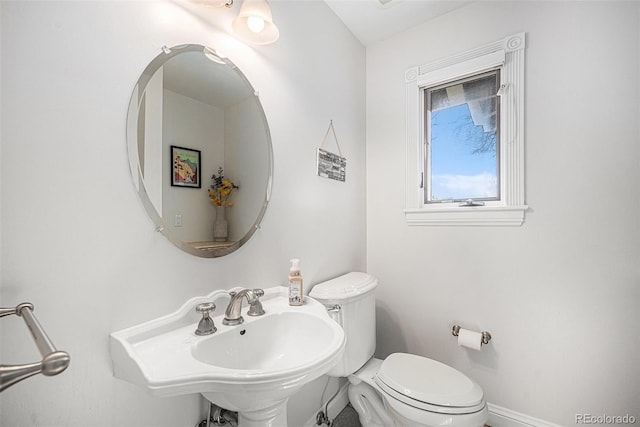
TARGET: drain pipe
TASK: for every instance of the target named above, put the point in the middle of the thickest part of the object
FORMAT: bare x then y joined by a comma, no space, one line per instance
222,416
218,416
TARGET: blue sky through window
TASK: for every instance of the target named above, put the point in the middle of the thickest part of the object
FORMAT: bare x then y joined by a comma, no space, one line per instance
457,172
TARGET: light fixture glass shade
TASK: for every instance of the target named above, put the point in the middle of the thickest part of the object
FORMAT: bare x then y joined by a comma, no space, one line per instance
254,23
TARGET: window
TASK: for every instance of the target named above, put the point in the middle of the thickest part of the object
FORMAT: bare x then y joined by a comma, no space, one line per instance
465,141
461,154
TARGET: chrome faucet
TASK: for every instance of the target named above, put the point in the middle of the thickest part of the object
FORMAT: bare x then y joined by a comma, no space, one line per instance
232,314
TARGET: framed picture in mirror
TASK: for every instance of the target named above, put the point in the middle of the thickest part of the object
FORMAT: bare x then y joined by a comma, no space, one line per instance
185,167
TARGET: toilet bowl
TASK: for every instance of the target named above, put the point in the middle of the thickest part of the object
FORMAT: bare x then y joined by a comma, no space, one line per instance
403,389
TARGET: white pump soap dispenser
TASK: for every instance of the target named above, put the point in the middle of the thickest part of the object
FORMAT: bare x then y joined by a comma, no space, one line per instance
296,296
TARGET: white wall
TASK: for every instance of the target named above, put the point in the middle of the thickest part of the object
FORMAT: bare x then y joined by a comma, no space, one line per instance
245,150
560,294
76,241
191,124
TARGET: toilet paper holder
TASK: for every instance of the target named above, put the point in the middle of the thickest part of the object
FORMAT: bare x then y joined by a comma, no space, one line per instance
486,336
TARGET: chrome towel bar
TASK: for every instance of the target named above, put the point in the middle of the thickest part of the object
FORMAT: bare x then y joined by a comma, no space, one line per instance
53,361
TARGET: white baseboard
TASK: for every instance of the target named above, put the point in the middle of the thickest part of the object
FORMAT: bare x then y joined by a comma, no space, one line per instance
503,417
337,404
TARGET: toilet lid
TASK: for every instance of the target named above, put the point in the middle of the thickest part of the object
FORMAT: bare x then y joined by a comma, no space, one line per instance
427,384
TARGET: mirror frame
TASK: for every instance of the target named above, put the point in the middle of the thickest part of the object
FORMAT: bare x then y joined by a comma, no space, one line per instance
134,161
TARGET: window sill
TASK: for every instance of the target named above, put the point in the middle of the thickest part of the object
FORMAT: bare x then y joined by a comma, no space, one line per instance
466,216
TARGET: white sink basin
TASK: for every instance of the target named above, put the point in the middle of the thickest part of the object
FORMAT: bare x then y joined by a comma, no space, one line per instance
252,368
281,342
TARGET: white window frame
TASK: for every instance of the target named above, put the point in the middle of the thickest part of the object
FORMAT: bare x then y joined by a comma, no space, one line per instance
507,55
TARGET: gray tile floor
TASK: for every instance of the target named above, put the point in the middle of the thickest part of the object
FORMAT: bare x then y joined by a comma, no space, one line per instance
348,417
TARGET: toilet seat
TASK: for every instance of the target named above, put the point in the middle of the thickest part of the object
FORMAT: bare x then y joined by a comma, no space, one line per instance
428,385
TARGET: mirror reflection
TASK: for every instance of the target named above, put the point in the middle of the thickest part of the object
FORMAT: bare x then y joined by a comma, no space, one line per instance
200,150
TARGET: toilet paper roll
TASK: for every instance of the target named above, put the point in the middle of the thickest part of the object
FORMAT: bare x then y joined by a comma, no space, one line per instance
470,339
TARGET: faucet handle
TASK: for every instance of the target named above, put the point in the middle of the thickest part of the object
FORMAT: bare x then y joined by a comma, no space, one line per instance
255,306
206,325
205,307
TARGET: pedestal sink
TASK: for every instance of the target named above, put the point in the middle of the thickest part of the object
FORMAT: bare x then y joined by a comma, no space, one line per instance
252,368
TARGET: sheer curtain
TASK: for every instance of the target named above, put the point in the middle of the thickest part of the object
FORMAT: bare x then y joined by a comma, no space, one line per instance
478,94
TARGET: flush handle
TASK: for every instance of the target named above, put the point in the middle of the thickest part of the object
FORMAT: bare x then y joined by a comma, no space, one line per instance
336,308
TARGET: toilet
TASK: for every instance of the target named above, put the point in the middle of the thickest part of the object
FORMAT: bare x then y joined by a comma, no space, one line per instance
403,390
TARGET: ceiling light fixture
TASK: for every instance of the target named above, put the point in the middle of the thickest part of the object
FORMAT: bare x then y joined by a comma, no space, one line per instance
254,23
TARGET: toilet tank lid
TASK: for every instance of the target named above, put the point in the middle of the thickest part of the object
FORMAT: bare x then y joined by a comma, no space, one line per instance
343,287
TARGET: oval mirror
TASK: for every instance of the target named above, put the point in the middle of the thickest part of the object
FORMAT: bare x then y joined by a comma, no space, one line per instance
199,150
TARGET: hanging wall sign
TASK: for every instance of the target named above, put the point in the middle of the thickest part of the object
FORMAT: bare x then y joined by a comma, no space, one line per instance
331,165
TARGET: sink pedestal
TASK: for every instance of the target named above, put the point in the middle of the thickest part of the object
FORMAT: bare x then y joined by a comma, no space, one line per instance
274,416
254,410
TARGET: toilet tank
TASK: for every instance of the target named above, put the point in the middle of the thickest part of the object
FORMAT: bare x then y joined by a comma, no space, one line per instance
354,294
